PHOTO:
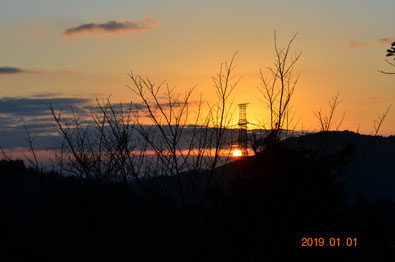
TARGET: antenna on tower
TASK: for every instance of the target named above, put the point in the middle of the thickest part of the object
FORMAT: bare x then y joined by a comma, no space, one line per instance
243,138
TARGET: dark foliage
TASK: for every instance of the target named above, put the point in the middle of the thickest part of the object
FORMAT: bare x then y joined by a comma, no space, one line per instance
391,51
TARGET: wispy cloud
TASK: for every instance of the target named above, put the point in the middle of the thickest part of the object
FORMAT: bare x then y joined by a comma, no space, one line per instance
385,41
44,95
112,26
355,44
66,72
377,98
40,34
8,70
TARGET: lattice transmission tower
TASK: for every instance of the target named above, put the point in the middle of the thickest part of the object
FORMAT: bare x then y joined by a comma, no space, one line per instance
243,138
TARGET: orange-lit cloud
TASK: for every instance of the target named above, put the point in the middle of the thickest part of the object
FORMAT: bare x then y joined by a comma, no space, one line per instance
377,98
66,72
112,26
355,44
385,41
40,34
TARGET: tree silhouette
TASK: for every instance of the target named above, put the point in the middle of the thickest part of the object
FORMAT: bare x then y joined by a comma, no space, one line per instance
390,52
278,83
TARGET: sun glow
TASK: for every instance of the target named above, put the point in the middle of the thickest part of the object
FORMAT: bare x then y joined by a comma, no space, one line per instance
237,153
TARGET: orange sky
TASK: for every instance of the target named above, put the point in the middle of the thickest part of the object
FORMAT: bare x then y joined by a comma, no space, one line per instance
185,42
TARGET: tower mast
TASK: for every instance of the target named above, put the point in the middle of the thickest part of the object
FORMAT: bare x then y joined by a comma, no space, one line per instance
243,138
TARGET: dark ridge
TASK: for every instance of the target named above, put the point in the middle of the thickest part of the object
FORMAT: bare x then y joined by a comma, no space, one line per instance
257,209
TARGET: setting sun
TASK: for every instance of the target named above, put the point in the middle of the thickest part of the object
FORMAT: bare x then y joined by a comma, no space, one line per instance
237,153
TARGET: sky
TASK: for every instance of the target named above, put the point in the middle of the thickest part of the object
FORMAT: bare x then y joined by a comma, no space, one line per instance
72,52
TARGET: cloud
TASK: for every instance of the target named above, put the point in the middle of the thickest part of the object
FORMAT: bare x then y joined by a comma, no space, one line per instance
7,70
355,44
385,41
377,98
10,70
45,95
40,34
112,26
66,72
16,113
20,106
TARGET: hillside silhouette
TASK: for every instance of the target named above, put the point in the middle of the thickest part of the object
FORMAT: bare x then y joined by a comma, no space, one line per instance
257,208
370,172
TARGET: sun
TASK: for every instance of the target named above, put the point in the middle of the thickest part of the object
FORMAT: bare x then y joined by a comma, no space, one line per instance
237,153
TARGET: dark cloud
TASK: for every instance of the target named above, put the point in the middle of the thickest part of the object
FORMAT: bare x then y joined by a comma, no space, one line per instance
16,113
34,127
20,106
6,70
112,26
117,107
